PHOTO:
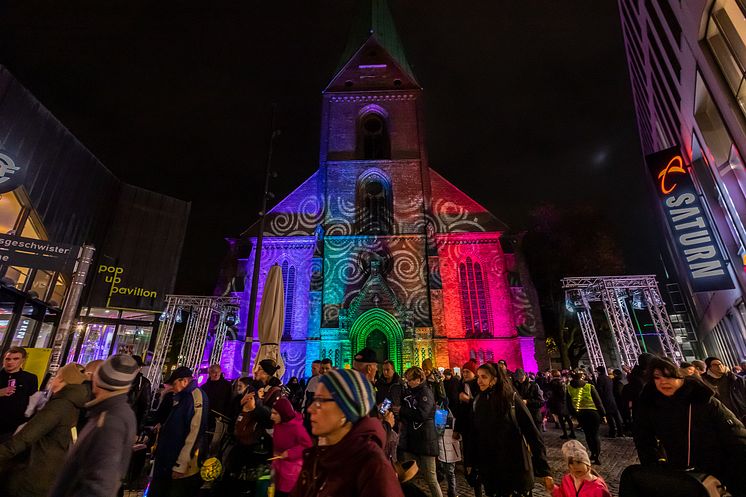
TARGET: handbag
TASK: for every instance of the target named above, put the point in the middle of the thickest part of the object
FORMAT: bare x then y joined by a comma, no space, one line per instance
525,448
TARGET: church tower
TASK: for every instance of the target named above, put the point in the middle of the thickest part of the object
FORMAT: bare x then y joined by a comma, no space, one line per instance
377,249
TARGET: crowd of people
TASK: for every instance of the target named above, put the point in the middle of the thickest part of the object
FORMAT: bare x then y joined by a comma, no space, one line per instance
361,432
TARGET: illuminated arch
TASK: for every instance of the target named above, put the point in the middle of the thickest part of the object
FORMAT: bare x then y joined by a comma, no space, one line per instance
378,319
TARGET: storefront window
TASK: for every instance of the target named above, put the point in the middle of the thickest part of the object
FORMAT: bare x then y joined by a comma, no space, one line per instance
10,210
32,230
17,276
133,340
6,313
40,285
58,293
724,162
139,316
78,330
98,312
24,329
97,342
45,332
726,32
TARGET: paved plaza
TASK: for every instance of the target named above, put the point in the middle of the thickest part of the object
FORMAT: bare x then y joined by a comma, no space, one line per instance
616,454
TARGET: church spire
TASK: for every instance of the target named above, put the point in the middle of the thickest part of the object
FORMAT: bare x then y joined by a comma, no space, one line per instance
373,23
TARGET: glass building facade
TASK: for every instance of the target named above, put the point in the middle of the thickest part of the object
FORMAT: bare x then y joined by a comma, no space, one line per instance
67,196
687,66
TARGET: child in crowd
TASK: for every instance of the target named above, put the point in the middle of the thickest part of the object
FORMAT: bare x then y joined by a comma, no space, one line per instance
581,480
449,453
289,440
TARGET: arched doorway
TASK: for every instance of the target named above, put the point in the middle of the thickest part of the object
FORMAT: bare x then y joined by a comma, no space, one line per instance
378,341
368,329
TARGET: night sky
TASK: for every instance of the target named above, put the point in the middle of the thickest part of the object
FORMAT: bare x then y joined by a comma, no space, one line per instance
526,102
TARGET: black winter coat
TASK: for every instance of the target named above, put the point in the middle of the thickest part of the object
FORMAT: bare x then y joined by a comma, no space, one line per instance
97,463
718,439
605,389
498,450
531,393
219,393
140,398
391,391
452,387
736,398
464,413
632,390
557,397
417,415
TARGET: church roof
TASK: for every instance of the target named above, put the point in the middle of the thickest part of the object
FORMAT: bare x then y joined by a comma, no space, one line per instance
456,212
374,20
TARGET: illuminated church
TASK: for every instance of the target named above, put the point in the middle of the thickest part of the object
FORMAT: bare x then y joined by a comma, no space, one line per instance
378,249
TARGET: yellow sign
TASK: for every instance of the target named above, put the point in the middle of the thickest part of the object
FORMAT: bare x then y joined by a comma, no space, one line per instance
113,275
37,361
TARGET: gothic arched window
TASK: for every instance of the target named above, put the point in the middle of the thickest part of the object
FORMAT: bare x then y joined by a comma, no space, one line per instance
288,280
474,300
374,204
373,137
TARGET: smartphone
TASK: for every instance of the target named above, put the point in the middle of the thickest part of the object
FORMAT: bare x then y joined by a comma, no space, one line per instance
385,406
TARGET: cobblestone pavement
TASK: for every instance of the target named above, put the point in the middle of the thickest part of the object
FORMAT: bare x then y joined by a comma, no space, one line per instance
616,454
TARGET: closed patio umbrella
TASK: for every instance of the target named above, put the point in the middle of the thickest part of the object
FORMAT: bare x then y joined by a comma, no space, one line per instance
271,320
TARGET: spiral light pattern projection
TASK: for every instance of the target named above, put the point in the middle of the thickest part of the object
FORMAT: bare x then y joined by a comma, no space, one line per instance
314,230
347,267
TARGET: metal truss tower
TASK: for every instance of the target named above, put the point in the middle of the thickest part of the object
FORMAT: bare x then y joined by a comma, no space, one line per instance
200,313
613,292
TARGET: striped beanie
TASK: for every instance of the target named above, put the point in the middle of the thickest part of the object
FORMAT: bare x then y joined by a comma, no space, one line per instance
116,373
352,392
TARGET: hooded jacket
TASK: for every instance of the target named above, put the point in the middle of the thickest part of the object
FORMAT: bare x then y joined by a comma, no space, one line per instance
417,414
98,461
290,436
46,437
354,466
718,439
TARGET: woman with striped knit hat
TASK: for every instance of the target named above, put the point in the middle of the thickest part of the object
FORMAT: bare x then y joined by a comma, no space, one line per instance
349,458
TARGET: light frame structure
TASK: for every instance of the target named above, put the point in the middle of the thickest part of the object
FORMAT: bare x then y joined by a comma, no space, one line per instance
613,292
203,311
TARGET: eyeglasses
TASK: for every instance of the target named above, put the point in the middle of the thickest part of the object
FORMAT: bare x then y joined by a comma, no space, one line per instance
316,402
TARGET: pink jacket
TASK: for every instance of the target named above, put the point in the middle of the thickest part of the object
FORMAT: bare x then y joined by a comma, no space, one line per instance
595,488
290,436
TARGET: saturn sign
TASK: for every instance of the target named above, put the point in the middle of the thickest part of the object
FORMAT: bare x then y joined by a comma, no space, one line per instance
695,241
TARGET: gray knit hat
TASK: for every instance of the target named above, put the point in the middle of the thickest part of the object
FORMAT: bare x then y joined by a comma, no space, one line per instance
351,391
116,373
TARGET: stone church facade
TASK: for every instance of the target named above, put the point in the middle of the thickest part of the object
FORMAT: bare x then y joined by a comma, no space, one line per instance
377,248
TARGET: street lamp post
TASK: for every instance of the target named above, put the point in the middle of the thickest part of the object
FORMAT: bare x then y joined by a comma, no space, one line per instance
258,249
